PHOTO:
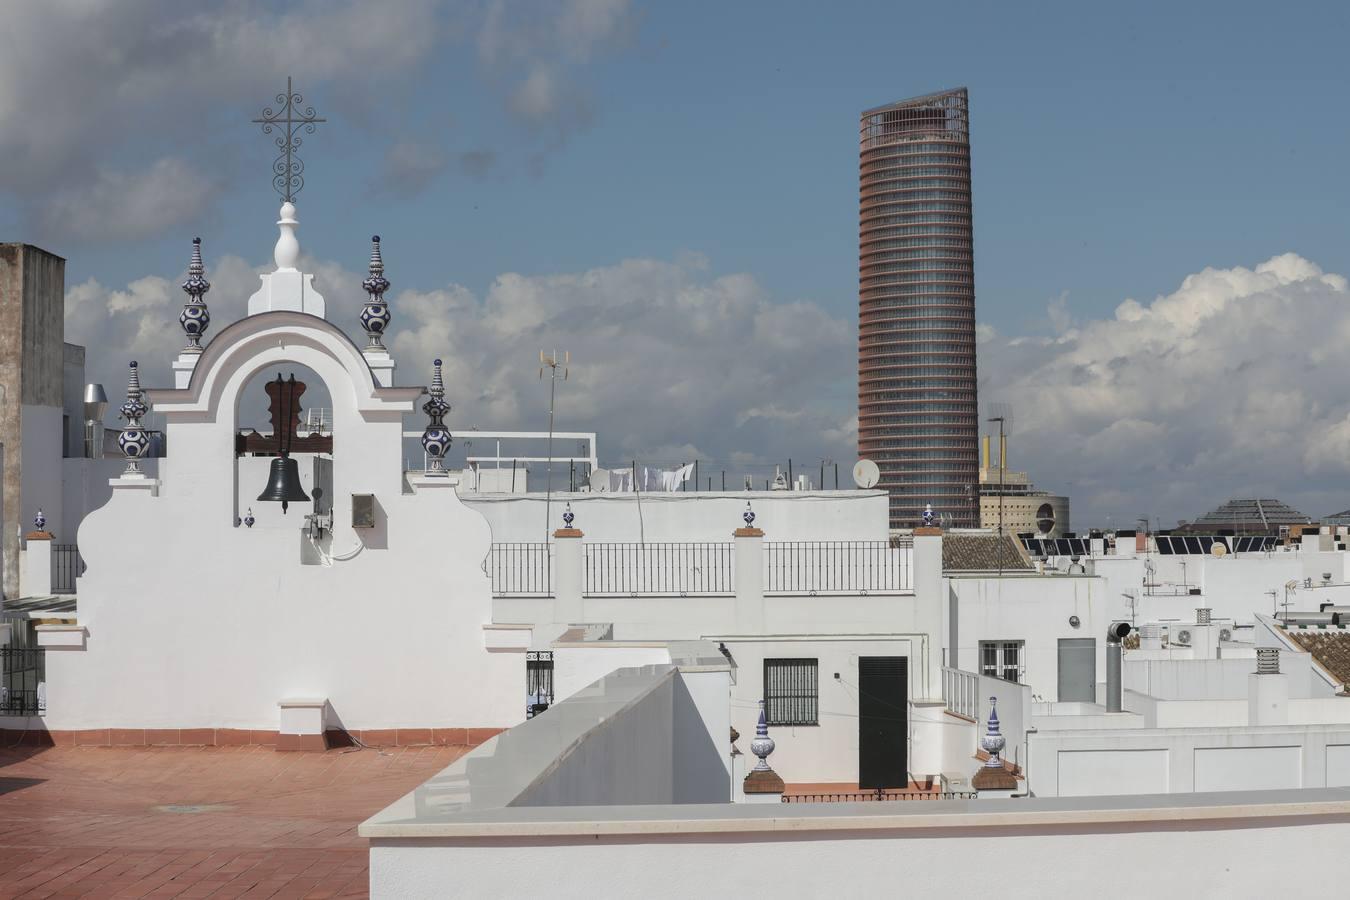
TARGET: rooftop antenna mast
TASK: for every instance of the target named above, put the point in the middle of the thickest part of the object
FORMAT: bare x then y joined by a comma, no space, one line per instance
553,363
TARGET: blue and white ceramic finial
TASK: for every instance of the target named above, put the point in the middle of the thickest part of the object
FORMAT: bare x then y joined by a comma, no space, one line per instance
436,437
992,741
762,745
375,314
567,516
133,440
928,515
39,521
748,515
194,318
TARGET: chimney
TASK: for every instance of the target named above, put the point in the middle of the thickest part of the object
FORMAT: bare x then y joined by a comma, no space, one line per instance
1267,690
1114,635
1205,639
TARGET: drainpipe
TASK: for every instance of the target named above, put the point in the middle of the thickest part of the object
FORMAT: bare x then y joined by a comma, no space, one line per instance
1114,635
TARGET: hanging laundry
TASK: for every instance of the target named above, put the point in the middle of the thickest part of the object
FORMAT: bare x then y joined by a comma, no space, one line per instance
620,480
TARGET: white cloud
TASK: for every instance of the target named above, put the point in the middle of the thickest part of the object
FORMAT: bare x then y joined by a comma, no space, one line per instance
88,86
1231,385
535,52
669,362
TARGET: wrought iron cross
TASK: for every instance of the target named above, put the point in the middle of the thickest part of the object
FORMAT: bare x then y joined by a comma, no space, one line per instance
288,169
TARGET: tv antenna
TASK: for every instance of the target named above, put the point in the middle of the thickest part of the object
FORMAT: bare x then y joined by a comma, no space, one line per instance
553,363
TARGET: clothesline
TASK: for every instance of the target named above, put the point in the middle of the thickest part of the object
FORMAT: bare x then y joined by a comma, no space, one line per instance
645,478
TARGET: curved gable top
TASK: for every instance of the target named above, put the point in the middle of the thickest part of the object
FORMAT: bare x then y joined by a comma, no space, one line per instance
263,337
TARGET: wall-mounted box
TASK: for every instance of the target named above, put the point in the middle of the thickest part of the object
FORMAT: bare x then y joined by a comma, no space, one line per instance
363,510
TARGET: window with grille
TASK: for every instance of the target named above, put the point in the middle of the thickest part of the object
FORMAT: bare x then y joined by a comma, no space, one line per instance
1001,659
791,692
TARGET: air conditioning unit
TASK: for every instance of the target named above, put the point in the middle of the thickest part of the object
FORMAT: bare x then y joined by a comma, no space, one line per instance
1183,636
1225,634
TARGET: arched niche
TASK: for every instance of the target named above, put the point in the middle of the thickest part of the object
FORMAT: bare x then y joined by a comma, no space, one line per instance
201,419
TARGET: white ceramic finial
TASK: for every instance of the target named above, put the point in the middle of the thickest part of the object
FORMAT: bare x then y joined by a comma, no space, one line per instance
287,251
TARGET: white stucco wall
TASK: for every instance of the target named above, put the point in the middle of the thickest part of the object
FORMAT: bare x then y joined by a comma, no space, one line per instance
196,622
1034,609
1109,762
1228,859
827,752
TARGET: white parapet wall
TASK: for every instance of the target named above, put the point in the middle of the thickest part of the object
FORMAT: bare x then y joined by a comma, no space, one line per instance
1215,845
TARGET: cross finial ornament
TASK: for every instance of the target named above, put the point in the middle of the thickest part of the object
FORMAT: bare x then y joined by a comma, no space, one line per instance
290,118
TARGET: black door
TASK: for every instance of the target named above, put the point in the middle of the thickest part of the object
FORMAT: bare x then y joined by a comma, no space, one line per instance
883,722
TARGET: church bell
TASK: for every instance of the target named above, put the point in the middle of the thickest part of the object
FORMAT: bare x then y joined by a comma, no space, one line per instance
284,483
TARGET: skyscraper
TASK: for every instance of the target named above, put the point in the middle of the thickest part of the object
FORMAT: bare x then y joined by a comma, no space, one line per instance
917,412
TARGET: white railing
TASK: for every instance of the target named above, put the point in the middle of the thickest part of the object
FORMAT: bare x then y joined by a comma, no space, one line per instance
961,690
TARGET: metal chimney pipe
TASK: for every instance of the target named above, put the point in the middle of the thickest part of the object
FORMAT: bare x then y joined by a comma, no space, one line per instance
95,405
1114,689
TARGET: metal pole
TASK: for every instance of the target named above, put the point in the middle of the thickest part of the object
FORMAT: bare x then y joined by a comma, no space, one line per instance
999,420
548,478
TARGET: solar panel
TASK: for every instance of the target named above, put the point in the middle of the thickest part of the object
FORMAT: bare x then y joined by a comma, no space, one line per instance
1164,544
1193,545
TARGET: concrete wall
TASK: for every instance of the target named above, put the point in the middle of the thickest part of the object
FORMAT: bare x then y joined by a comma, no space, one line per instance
32,322
1180,760
576,666
1213,679
690,516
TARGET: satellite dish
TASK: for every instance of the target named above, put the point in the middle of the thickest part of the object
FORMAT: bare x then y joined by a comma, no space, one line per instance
1218,549
866,474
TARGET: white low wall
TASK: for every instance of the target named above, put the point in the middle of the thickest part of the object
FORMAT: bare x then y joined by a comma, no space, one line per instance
1182,760
846,850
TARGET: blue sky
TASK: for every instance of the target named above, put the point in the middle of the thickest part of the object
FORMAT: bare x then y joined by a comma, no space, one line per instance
1115,152
1110,152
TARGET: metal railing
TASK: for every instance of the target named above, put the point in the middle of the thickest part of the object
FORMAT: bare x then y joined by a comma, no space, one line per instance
836,567
683,570
877,796
520,570
23,676
67,565
961,690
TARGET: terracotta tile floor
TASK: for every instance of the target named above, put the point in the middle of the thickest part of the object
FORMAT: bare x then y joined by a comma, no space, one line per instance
196,821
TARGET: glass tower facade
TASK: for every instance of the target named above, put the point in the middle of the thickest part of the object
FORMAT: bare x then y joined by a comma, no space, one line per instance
917,412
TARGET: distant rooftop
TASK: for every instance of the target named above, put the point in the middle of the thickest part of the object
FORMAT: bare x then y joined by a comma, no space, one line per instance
974,552
1251,513
1330,647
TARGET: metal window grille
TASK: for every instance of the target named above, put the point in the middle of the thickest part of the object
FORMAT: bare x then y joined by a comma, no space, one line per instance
791,692
1001,659
23,676
538,682
67,565
520,570
672,570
